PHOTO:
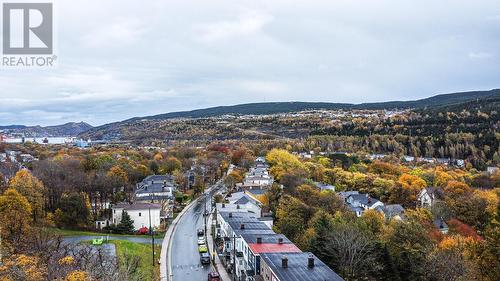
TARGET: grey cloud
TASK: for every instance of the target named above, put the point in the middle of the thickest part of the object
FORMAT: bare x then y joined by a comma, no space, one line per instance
119,60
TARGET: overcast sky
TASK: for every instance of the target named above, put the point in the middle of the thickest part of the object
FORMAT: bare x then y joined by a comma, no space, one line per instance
120,59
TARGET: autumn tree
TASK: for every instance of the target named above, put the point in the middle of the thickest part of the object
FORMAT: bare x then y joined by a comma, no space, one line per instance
283,162
32,189
292,216
408,245
15,214
273,195
413,184
170,164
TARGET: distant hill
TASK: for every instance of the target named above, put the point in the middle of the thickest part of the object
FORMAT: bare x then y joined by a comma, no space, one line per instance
286,107
159,127
68,129
249,108
9,127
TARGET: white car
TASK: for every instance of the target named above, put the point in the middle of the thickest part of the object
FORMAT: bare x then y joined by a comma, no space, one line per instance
201,241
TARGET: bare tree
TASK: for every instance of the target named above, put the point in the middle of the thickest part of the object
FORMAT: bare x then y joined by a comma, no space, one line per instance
350,249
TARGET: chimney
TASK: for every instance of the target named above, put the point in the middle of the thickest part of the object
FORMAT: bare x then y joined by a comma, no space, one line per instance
230,215
280,240
284,262
242,226
259,240
310,261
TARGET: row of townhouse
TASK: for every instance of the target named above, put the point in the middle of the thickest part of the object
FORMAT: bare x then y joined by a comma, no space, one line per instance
254,252
258,176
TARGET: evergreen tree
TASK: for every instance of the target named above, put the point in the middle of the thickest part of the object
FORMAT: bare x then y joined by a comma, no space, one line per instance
126,224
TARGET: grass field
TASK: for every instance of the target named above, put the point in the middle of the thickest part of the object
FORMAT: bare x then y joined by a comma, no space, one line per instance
69,232
145,254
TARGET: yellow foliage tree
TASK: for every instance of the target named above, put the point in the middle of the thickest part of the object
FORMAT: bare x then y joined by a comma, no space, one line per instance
15,213
118,175
413,184
32,189
23,267
492,200
77,275
284,162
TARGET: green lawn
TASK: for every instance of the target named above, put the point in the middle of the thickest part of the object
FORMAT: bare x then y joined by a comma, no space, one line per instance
69,232
145,254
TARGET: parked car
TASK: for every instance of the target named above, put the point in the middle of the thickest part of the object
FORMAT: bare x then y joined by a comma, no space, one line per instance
205,258
213,276
202,249
201,232
201,241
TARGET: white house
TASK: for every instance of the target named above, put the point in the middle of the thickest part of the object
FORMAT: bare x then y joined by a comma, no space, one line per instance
241,202
492,170
139,213
428,196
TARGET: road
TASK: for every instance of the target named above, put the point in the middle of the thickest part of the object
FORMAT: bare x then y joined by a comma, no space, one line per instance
185,257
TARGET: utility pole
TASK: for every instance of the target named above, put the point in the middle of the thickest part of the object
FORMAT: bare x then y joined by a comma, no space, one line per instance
152,237
205,215
234,257
0,245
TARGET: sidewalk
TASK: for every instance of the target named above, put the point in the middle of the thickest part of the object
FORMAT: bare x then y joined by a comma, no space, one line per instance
218,264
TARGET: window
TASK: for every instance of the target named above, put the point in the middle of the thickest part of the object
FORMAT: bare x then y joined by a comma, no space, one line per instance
139,214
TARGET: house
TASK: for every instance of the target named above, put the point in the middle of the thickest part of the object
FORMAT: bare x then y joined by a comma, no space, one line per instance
241,202
26,158
258,194
376,156
140,213
157,189
491,170
295,266
393,211
359,203
324,186
258,175
102,223
82,144
408,158
427,159
428,196
441,225
443,161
